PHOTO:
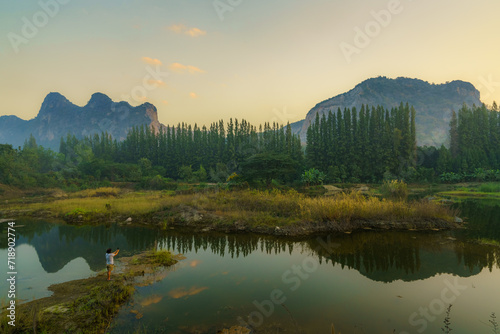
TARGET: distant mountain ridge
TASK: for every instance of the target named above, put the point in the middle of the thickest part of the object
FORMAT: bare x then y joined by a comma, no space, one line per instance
433,103
58,117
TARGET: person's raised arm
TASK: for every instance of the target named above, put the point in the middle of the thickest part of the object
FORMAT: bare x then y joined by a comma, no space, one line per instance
117,250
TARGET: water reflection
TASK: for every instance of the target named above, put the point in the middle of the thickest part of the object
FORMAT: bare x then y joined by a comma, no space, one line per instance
380,256
407,256
483,218
58,244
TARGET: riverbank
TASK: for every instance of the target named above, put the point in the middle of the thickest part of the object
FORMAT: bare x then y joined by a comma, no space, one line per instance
483,191
267,212
89,305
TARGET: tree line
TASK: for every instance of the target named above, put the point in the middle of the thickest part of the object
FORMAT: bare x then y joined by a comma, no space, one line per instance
369,145
363,146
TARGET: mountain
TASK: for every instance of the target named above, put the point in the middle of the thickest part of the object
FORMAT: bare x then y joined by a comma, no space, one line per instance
433,104
58,117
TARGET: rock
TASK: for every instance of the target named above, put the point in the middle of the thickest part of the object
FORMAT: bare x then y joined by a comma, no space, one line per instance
433,112
129,220
459,220
206,229
58,117
80,217
431,198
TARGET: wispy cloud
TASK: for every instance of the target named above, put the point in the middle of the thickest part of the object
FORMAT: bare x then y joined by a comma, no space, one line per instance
195,32
165,102
182,29
193,95
177,28
151,61
156,83
180,68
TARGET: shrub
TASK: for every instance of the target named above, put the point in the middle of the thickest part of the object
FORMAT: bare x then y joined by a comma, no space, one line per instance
394,189
490,188
313,177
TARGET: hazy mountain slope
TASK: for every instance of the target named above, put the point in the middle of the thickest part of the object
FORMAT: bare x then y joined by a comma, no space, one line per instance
433,103
58,117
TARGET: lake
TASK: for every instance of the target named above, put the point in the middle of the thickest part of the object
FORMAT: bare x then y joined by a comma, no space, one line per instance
363,282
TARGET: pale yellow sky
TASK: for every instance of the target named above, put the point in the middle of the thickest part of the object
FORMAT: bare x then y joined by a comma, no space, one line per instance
200,61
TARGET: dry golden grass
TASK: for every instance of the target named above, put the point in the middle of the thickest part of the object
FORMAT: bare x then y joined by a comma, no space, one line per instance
99,192
263,207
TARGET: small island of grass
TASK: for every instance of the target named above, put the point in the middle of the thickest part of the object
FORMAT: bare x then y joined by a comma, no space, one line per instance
88,305
277,212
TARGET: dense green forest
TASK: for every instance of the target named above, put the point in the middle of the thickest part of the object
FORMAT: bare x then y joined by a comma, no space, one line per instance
363,146
369,145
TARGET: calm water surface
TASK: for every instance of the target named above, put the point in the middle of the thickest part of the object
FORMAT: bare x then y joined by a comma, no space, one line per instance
364,282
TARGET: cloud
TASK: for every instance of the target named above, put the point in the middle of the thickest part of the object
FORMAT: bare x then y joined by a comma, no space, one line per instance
193,95
195,32
183,292
151,61
180,68
156,83
182,29
177,28
194,69
165,102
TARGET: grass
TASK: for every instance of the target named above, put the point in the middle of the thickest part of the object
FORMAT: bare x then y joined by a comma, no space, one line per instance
255,207
490,188
485,241
99,192
85,305
341,208
162,258
91,312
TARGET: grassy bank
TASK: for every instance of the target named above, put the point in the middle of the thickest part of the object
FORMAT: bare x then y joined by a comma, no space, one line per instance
254,210
470,191
86,305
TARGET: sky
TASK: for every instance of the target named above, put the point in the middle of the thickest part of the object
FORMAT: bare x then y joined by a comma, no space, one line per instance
199,61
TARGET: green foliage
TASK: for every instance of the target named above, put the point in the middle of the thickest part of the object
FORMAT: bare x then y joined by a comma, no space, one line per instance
366,145
479,174
489,187
157,182
220,173
268,166
361,146
313,177
186,173
394,189
162,257
201,174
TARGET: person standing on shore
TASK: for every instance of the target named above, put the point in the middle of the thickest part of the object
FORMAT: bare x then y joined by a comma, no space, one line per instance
110,263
